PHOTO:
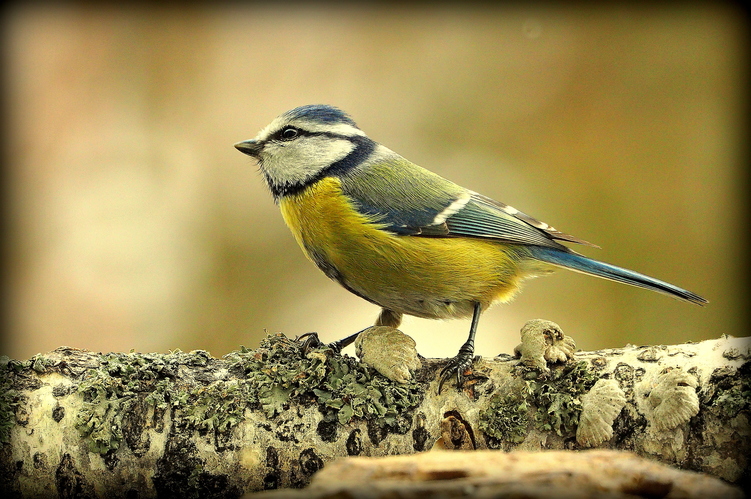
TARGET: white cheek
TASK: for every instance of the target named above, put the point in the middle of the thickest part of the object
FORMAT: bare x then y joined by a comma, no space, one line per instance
297,161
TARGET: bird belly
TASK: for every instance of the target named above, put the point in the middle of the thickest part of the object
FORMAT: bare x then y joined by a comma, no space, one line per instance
431,277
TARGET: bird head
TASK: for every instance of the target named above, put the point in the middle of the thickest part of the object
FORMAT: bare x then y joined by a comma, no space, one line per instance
305,144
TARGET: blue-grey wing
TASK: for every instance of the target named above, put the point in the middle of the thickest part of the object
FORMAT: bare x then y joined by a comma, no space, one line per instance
409,200
485,217
405,198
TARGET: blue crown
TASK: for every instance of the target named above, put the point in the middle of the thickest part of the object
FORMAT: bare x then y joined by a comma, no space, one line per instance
322,113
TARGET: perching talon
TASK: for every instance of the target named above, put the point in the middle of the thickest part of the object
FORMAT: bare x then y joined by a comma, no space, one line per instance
457,365
312,341
309,341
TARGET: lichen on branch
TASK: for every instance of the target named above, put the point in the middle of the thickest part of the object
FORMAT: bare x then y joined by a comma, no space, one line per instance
272,416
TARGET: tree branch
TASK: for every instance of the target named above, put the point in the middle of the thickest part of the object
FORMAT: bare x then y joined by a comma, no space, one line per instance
79,423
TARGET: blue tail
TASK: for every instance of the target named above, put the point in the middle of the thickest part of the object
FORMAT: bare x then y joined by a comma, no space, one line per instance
586,265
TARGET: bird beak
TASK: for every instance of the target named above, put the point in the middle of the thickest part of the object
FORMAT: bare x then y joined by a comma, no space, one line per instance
250,147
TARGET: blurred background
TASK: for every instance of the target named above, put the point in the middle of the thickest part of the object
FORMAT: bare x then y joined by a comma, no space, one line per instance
131,223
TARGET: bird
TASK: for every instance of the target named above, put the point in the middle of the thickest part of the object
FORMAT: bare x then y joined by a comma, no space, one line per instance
403,237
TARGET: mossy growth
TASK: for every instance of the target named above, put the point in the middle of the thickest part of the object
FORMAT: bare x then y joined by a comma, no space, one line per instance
549,400
732,398
8,398
343,387
110,390
505,418
13,373
557,396
214,394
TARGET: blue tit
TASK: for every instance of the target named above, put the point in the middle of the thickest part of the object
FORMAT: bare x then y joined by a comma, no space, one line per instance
402,237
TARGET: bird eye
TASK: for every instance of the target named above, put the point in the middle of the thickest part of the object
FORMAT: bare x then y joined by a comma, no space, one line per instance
289,133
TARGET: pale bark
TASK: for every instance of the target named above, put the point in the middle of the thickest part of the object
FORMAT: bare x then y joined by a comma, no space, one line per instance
82,424
485,474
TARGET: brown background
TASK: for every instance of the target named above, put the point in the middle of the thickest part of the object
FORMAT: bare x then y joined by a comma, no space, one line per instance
134,223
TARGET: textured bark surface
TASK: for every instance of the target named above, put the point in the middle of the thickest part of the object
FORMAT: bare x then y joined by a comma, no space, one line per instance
83,424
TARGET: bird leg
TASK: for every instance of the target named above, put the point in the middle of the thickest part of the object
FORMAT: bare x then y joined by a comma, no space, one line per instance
457,365
310,341
389,318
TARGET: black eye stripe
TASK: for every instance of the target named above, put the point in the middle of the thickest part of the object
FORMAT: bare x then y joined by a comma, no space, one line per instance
280,135
287,133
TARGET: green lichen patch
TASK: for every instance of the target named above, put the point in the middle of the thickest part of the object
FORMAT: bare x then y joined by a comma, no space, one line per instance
557,397
549,400
13,376
731,402
216,408
100,419
9,399
110,390
342,387
353,390
505,418
278,370
211,395
40,363
732,398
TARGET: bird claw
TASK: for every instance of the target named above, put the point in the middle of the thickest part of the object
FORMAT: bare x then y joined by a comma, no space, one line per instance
456,366
311,341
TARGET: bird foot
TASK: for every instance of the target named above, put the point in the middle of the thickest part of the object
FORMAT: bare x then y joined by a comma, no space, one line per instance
457,366
310,341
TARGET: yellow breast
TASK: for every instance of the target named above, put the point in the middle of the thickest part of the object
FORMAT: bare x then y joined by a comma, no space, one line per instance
423,276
